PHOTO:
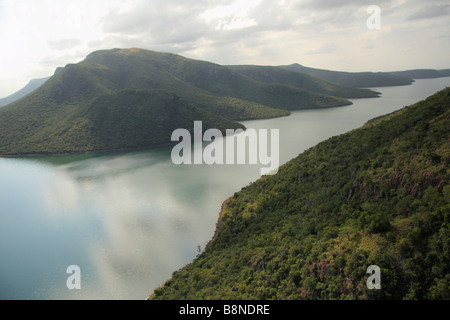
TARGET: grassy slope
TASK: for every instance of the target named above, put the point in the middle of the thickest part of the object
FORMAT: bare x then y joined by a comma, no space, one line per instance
376,195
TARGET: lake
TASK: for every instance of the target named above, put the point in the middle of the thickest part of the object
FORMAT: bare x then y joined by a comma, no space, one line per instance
129,219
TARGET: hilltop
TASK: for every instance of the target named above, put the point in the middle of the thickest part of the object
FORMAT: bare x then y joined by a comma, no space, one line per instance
60,116
377,195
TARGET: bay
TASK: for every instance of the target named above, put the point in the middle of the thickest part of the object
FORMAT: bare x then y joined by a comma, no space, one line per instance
129,219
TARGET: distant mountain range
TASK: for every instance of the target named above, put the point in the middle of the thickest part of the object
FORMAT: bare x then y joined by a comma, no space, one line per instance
30,87
422,73
62,114
273,74
369,79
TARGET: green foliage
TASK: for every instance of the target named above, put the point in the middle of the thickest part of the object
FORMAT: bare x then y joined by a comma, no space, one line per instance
70,112
128,119
378,195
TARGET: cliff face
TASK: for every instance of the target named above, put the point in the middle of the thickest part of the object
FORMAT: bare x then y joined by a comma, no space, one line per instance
378,195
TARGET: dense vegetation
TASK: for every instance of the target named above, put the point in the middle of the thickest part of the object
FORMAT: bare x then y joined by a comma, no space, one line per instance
378,195
207,85
128,119
76,109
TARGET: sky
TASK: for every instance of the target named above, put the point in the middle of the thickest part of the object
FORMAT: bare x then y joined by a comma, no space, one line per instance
36,37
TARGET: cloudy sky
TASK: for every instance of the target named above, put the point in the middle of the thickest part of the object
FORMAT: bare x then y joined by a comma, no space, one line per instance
38,36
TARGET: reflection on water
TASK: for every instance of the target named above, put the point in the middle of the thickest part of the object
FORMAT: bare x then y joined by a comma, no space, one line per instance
130,219
127,219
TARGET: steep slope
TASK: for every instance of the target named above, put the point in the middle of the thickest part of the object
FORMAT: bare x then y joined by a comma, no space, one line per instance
128,119
378,195
41,121
205,84
353,79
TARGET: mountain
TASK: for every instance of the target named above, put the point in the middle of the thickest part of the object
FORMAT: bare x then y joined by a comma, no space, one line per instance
271,74
353,79
422,73
30,87
378,195
205,84
123,120
56,118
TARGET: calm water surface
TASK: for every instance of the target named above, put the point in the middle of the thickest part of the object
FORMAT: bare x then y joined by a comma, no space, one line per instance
128,220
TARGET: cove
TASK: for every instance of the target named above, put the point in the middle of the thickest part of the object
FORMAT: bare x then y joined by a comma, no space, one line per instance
130,219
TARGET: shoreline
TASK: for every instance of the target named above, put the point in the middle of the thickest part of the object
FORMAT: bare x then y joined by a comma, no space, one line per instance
70,153
221,212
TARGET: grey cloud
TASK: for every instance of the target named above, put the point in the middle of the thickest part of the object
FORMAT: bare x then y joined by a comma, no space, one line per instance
324,49
161,20
325,4
271,15
339,4
178,25
169,21
431,11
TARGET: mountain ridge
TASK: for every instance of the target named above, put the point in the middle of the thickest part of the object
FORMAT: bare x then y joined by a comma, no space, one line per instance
350,79
369,79
34,124
353,79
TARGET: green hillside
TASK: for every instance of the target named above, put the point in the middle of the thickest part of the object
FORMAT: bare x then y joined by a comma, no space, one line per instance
59,116
378,195
128,119
272,74
207,85
353,79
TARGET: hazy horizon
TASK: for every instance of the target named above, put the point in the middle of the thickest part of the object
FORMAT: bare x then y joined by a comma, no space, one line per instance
40,36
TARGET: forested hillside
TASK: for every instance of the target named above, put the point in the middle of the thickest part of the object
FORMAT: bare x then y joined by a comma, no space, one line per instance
378,195
128,119
57,117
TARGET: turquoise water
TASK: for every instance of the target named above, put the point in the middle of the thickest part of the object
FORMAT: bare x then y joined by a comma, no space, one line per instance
130,219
